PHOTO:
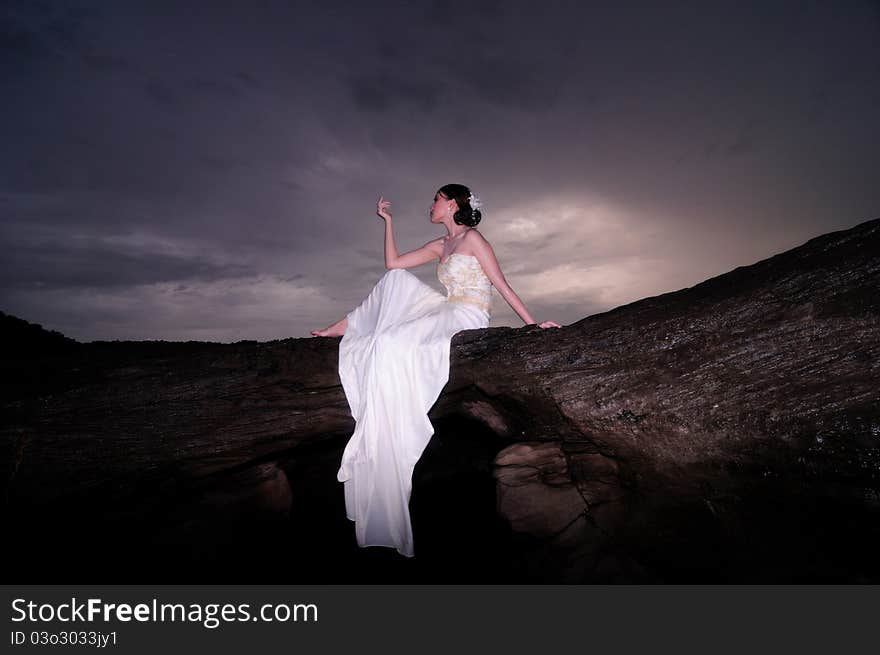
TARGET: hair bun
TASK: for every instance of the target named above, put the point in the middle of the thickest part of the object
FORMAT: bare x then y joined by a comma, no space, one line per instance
468,216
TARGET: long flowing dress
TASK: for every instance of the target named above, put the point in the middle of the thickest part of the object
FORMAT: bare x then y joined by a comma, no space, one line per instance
393,364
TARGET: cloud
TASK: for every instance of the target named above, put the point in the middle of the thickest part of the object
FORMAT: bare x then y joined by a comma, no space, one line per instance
30,31
379,91
577,255
69,260
260,307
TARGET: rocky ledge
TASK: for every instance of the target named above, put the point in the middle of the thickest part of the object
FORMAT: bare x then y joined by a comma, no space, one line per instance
727,432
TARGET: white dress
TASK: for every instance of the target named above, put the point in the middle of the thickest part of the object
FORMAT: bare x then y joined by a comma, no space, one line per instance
393,364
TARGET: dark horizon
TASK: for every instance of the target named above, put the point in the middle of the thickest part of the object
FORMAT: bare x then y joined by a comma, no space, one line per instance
214,179
61,341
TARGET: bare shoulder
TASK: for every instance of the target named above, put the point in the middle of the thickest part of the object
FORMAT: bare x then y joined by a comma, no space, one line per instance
474,235
476,242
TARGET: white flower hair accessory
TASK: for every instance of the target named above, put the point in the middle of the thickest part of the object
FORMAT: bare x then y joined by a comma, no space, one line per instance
474,202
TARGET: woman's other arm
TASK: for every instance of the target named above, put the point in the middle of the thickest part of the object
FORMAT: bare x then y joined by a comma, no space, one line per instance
486,256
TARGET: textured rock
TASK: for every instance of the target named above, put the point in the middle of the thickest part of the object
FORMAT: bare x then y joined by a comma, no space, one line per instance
535,490
692,436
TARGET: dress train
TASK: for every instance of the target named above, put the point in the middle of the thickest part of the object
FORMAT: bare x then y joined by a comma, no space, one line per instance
393,364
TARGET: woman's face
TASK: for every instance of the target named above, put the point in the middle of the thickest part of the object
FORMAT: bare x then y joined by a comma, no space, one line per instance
440,206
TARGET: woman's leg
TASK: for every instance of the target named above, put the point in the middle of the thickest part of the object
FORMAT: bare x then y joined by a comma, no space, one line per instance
335,330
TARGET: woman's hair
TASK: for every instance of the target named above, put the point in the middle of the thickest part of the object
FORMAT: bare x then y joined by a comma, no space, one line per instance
461,194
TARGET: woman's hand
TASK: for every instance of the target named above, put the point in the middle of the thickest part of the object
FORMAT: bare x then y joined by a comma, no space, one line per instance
547,324
382,208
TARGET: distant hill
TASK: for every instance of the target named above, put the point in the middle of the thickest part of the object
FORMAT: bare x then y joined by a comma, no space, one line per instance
20,339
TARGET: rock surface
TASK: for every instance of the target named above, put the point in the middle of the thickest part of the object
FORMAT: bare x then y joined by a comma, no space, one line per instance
727,432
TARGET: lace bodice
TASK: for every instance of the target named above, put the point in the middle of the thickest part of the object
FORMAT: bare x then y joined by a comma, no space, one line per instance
465,281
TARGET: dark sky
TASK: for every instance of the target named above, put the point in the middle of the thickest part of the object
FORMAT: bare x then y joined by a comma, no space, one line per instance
210,171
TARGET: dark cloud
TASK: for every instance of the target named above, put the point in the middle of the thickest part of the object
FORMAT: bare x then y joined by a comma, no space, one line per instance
73,262
106,63
377,92
33,30
163,93
248,79
216,88
17,42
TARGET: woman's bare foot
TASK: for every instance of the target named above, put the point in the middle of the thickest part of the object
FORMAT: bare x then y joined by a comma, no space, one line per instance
335,330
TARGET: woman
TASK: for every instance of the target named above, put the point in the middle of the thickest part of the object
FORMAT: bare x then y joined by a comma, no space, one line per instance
394,360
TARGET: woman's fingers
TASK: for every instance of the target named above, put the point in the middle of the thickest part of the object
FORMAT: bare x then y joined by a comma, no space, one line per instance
382,207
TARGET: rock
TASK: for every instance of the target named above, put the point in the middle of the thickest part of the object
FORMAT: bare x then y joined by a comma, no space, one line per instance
689,436
535,491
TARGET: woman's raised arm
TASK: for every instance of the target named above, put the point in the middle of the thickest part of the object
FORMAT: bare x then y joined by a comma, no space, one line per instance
416,257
